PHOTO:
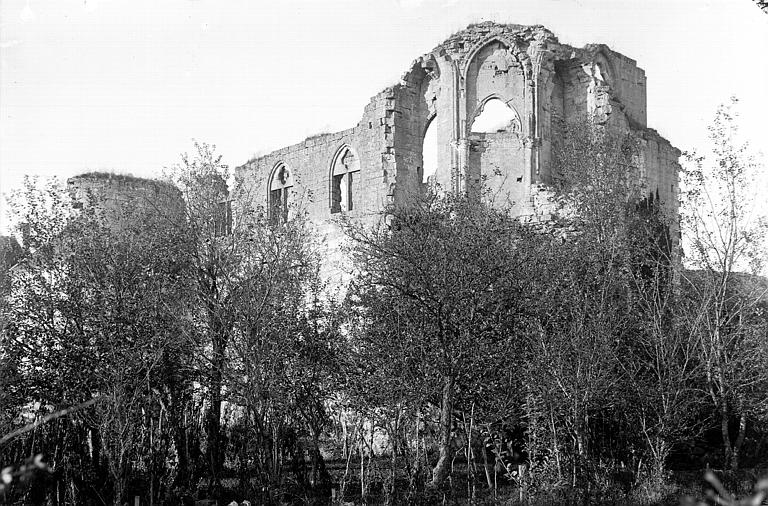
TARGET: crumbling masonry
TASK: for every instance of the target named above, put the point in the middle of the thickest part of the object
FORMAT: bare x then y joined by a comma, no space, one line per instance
541,83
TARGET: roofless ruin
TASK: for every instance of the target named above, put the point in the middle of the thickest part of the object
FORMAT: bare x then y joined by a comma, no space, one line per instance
523,73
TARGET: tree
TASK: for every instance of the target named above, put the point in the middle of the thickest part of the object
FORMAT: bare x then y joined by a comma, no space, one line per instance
583,306
451,272
124,306
660,368
91,316
606,347
10,400
34,317
284,352
582,314
255,314
725,239
598,183
215,254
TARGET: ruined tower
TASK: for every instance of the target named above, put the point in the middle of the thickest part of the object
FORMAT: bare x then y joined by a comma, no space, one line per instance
117,199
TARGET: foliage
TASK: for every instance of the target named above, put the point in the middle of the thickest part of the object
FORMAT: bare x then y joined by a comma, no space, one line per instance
440,295
111,321
726,244
183,347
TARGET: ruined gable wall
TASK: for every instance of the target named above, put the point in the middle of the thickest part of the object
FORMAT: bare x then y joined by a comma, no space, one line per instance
493,65
545,83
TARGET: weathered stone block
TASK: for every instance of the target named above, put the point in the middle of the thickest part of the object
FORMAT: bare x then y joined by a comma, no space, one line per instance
447,89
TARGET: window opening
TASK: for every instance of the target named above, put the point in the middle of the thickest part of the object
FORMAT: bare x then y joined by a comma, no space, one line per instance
496,116
279,193
429,150
343,181
223,221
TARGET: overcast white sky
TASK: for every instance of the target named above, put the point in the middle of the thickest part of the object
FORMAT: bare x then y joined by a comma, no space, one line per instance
126,85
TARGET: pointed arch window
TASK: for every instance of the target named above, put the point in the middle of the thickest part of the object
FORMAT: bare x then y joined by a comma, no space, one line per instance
280,186
223,219
496,116
344,175
601,69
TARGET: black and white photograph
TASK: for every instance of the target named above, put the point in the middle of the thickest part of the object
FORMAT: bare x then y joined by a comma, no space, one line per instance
383,252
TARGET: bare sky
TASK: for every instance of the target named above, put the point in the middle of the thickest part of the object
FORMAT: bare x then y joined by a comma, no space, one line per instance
126,85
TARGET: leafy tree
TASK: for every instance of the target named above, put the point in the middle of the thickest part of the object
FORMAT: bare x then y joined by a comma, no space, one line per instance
90,312
725,246
258,320
215,257
607,348
284,352
451,271
660,368
598,183
572,364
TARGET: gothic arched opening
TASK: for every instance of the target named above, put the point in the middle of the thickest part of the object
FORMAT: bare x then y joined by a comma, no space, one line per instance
429,150
344,167
280,185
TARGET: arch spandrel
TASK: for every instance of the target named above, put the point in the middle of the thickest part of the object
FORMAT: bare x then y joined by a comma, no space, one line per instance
512,47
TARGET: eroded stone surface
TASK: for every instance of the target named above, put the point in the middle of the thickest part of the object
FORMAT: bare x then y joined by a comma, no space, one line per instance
118,198
543,82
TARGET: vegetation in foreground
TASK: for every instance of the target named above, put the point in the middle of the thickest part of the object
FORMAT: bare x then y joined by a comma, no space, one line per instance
176,356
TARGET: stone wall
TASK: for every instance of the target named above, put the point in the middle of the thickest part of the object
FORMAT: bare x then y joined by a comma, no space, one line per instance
117,198
310,164
543,84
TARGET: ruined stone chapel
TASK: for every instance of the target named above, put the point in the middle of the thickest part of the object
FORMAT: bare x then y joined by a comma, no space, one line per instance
538,84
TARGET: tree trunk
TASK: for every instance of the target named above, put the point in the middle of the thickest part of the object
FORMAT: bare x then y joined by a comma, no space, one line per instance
735,453
392,473
727,448
119,489
659,454
213,425
555,446
393,459
486,464
180,443
320,477
582,453
362,463
99,464
440,471
178,430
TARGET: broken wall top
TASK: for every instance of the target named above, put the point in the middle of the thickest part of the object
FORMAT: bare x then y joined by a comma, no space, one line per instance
538,51
536,47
